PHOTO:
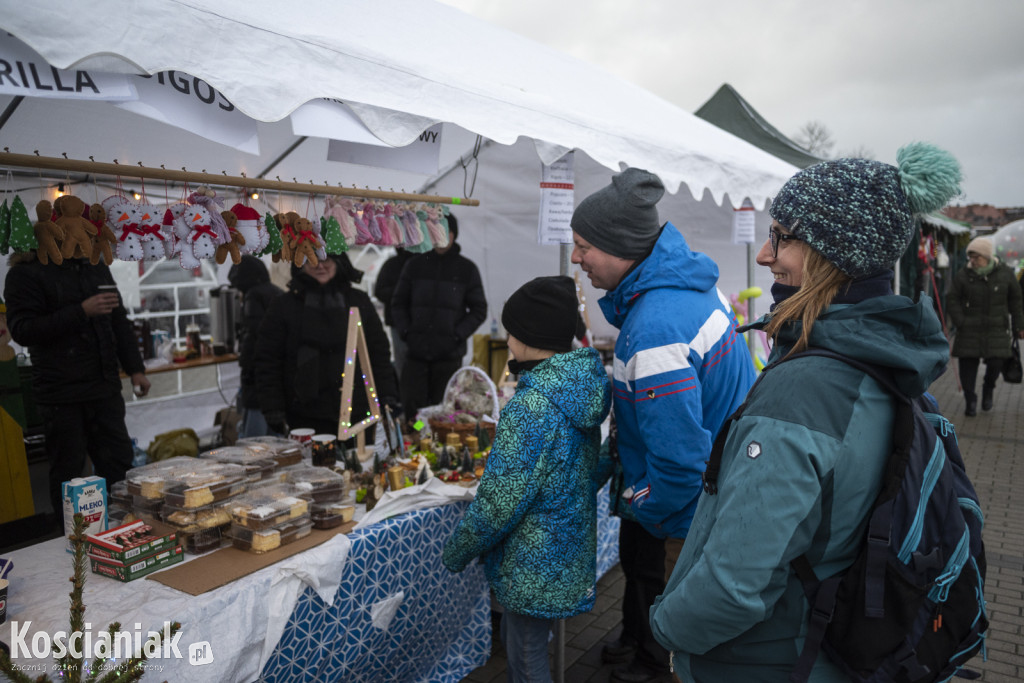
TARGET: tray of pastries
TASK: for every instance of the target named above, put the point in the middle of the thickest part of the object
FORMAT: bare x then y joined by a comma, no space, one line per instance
269,506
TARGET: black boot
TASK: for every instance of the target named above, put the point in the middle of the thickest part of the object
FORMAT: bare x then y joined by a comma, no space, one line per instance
972,405
986,397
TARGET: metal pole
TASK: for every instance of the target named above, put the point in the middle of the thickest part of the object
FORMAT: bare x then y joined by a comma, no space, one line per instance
564,254
751,260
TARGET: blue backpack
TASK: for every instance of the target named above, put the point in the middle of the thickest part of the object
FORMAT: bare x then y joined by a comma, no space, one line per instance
911,607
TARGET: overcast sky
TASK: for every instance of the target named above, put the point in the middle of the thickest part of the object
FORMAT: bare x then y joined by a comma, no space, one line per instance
876,73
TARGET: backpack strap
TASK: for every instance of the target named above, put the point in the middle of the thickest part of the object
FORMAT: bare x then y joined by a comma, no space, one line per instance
821,595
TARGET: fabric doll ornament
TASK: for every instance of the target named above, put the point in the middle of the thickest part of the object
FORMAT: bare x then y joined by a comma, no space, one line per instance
173,225
370,219
156,243
411,227
321,250
104,242
341,208
78,231
274,241
5,228
48,235
428,242
438,234
330,230
249,223
381,221
123,222
234,243
201,241
362,222
394,227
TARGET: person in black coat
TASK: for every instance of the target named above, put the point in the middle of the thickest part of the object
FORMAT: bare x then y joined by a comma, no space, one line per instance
438,304
384,290
250,277
78,337
300,352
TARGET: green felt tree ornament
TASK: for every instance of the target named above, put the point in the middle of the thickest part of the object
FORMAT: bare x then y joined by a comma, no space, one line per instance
334,240
274,230
23,237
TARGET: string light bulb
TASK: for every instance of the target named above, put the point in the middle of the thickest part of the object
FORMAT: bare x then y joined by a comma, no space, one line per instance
60,189
254,195
137,196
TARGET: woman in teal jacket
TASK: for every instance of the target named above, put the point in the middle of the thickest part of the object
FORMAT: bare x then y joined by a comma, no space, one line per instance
803,465
534,518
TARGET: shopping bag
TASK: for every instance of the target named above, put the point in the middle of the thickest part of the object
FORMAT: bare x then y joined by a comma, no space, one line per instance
1013,373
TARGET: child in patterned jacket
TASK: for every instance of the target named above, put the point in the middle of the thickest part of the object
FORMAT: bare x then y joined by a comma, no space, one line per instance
534,518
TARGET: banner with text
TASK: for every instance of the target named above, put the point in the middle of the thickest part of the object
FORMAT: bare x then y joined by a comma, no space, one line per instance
422,155
192,104
23,72
556,202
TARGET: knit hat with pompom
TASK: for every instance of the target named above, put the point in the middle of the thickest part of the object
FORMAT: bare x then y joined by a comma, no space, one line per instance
858,213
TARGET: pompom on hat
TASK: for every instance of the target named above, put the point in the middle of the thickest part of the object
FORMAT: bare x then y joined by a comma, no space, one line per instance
621,219
859,213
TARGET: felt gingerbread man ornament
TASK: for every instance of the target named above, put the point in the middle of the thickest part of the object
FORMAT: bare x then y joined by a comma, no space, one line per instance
104,243
284,221
48,234
235,240
78,231
301,240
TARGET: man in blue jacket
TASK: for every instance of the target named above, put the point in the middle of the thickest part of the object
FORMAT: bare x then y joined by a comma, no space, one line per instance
680,370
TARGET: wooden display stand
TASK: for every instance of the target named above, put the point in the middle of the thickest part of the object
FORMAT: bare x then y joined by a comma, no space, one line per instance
356,349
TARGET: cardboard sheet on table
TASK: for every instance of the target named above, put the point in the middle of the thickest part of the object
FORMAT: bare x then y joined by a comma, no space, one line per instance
223,566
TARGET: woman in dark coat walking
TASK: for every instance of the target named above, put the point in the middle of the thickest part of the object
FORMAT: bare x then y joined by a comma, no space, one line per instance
985,307
300,353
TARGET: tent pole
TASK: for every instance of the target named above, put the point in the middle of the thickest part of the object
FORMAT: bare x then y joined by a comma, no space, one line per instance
564,253
115,169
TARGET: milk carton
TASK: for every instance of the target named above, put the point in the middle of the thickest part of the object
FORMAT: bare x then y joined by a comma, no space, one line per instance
87,496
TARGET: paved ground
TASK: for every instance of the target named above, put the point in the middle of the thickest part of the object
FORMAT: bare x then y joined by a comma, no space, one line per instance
989,443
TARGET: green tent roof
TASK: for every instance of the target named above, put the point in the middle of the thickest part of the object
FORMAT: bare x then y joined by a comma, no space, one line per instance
729,111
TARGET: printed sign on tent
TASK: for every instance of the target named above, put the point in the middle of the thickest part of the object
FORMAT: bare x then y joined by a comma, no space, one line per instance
556,202
192,104
422,155
24,72
743,225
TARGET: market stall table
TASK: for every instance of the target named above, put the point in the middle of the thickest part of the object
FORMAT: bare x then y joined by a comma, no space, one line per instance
376,604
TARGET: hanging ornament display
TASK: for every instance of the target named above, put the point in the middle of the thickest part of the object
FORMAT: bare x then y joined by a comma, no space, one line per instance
235,242
250,224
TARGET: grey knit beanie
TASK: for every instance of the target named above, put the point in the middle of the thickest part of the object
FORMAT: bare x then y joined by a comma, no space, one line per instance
858,213
622,219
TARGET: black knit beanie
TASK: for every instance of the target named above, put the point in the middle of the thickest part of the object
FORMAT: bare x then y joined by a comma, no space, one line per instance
622,219
545,313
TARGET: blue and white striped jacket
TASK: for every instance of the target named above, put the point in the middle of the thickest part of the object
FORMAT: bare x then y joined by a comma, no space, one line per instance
680,370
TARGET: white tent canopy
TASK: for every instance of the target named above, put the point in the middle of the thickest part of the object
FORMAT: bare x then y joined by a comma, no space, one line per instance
402,66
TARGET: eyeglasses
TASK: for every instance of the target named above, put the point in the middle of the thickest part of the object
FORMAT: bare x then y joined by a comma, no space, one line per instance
774,236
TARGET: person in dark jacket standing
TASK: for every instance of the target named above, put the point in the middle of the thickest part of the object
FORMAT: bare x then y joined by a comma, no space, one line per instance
984,304
250,277
438,304
300,351
78,335
384,289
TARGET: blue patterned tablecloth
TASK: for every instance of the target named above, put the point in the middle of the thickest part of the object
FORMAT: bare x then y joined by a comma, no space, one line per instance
441,630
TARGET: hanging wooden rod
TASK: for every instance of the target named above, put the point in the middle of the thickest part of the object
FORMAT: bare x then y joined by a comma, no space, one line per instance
140,171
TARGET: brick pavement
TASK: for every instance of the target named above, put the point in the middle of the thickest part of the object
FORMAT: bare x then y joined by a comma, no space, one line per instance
990,443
